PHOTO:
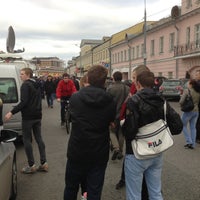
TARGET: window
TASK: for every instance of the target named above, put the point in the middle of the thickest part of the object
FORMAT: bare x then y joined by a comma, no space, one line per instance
171,41
137,51
170,74
187,37
197,35
188,4
133,53
8,90
125,56
161,44
152,50
142,50
197,1
122,56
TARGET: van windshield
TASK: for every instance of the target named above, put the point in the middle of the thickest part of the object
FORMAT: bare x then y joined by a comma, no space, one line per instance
8,90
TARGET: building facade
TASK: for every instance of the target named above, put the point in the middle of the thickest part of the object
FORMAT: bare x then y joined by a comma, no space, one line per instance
172,45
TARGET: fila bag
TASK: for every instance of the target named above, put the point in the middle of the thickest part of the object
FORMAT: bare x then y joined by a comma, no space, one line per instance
152,139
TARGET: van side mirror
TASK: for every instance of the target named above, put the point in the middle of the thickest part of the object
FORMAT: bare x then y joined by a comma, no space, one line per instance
8,135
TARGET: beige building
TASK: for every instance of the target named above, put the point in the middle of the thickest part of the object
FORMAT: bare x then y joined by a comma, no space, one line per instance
172,45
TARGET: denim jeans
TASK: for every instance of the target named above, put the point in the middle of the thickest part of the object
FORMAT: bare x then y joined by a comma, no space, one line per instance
49,99
27,127
134,171
91,174
190,135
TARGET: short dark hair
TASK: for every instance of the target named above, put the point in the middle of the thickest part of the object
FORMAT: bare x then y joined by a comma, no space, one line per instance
65,75
97,75
146,78
28,71
117,76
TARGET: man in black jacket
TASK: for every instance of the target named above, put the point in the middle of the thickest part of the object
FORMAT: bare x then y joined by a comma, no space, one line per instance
31,110
92,111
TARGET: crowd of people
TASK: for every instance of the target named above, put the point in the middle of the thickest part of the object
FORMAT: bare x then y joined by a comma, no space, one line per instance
106,130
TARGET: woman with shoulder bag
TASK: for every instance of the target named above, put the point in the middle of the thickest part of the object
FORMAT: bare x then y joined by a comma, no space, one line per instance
190,116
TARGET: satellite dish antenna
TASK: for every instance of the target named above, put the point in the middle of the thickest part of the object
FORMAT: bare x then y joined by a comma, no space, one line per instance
10,43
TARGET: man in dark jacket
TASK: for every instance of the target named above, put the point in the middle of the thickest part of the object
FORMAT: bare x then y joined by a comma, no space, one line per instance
92,111
31,110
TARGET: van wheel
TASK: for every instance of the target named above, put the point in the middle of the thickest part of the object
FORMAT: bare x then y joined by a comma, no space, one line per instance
14,179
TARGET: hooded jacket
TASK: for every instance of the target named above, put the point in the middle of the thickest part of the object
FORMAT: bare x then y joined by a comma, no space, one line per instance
92,110
30,101
147,106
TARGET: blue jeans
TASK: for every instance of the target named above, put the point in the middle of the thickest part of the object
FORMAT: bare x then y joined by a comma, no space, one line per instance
134,171
190,135
27,127
91,174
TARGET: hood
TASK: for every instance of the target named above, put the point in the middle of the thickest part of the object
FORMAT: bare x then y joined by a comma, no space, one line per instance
35,84
151,97
95,96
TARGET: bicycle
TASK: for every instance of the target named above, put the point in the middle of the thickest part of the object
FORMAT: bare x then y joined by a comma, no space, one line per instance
67,117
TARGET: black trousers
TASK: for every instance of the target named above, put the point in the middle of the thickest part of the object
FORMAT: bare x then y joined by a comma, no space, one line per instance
91,174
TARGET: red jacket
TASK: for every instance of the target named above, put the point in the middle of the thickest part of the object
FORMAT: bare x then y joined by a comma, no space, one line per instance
65,89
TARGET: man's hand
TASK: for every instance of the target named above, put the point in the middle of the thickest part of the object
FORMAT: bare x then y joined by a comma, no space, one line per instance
8,116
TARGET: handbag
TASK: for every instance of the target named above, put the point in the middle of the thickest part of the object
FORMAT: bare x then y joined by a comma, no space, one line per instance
188,104
152,139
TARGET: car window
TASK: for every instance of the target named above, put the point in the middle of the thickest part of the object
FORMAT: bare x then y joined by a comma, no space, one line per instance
171,83
8,90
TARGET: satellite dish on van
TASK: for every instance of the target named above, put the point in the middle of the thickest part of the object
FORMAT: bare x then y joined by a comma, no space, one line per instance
10,43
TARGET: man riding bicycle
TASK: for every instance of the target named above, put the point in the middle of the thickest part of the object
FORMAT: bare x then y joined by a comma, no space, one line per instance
64,91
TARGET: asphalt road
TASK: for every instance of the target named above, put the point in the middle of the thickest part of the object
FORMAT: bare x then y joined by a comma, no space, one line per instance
180,178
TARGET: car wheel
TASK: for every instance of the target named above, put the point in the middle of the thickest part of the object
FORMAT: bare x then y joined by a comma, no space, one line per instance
14,179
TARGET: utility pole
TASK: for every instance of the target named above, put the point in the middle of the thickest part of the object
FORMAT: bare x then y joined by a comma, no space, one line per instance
145,34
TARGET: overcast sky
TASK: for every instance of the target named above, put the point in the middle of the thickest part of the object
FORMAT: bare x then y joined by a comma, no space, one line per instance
56,27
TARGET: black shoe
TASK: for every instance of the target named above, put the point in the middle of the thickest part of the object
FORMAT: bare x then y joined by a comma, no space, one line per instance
115,154
119,155
120,185
188,146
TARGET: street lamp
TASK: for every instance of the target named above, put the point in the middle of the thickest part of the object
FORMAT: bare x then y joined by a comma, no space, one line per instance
145,34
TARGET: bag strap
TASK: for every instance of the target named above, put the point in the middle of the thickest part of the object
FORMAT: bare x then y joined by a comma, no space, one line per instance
165,110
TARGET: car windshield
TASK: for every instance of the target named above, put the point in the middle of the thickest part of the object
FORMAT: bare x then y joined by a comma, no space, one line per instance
171,83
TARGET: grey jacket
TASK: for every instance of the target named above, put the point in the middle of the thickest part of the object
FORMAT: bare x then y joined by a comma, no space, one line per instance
119,91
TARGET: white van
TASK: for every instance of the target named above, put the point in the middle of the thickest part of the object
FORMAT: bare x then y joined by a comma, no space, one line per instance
10,84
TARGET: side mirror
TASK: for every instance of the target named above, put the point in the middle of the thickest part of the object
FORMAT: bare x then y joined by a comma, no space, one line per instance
7,135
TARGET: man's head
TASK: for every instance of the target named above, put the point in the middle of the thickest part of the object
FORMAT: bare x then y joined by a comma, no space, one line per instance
117,76
137,70
26,73
97,75
145,79
65,77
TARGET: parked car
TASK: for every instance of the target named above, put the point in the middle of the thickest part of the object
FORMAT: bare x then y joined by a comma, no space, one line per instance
172,88
8,166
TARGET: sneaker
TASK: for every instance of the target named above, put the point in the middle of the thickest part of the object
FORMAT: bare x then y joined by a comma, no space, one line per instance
120,185
188,146
29,170
43,168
